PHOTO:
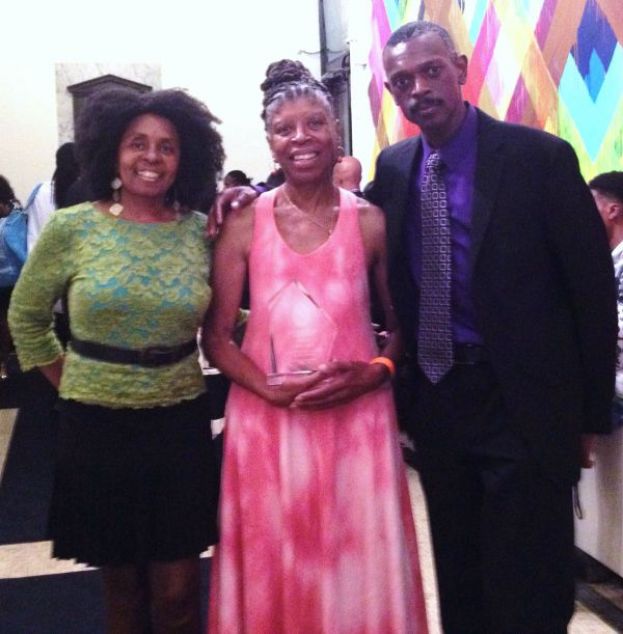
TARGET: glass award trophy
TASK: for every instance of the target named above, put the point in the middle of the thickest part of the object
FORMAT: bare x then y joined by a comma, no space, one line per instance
301,333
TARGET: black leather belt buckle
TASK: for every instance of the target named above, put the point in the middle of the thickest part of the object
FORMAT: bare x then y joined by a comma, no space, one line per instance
470,354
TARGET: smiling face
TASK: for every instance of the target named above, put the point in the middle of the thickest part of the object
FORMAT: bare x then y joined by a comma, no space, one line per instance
148,157
425,77
303,137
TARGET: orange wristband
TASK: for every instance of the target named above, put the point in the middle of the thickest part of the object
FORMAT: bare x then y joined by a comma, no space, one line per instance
388,363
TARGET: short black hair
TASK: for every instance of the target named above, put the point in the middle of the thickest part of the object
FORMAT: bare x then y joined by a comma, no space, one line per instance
239,177
609,183
65,174
7,195
411,30
107,115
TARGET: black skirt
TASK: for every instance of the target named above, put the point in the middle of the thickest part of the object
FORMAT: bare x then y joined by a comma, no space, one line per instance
134,485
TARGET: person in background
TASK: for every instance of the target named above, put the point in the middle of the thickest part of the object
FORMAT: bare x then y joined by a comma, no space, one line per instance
607,190
317,533
235,178
135,482
347,174
50,195
8,202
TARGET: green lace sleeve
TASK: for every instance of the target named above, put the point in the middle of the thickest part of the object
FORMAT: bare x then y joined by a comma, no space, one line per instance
41,283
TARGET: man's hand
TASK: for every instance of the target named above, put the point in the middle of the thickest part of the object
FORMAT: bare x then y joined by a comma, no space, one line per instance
587,451
232,198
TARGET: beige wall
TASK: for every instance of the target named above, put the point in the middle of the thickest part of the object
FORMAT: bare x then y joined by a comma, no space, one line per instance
218,50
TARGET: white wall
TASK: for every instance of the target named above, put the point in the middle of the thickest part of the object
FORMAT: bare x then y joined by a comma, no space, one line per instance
600,532
360,40
217,50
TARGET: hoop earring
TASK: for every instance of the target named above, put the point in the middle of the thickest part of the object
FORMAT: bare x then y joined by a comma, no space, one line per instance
116,208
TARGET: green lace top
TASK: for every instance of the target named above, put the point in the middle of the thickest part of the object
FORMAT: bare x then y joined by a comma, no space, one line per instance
131,285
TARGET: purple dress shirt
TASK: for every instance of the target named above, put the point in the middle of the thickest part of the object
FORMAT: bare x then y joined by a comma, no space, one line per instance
459,158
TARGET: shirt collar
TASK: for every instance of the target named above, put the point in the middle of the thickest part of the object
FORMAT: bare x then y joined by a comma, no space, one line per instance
617,252
453,152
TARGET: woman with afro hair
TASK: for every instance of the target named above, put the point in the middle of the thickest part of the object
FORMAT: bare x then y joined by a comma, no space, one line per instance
134,490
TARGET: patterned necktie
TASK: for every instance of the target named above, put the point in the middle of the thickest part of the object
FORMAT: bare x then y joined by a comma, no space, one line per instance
435,328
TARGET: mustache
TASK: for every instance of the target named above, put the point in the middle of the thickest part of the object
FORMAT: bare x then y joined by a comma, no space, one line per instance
425,102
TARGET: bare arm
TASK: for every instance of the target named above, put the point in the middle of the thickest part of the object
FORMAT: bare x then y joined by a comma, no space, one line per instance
376,244
229,272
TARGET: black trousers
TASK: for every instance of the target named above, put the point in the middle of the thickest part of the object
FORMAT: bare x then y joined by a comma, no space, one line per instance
502,532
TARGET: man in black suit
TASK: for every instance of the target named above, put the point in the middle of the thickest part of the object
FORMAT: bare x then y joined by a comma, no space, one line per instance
501,435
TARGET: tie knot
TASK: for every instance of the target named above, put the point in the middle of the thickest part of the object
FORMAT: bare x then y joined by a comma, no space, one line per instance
433,162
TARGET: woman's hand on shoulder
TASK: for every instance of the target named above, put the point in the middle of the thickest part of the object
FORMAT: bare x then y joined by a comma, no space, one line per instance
342,382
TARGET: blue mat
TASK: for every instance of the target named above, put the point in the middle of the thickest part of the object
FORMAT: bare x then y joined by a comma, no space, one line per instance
26,484
69,603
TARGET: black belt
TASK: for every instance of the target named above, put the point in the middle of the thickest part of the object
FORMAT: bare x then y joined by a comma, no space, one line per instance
150,357
470,354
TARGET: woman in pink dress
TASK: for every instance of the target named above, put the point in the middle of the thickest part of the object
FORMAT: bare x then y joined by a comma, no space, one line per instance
317,534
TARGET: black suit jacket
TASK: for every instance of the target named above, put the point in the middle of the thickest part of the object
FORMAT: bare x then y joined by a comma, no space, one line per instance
542,282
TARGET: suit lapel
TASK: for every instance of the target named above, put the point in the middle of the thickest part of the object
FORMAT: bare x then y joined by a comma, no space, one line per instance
403,164
489,165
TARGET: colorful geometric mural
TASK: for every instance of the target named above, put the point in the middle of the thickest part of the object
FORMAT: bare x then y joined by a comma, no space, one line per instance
551,64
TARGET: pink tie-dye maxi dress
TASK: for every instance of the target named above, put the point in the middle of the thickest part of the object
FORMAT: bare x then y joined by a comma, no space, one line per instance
317,534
